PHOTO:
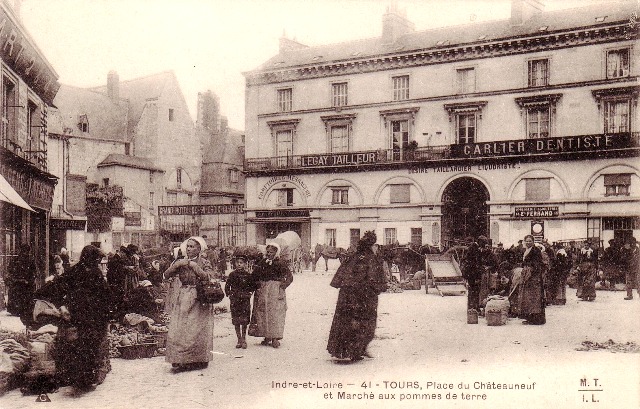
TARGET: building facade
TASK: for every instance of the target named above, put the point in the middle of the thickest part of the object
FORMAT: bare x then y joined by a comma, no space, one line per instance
29,85
527,125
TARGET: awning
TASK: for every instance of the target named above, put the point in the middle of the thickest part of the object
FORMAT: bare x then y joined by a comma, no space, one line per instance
9,195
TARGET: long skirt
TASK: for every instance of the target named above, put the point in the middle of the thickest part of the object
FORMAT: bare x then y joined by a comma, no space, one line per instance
190,336
269,310
587,277
531,302
354,324
82,361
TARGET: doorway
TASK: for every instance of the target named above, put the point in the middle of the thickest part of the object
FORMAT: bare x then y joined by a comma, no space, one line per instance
464,211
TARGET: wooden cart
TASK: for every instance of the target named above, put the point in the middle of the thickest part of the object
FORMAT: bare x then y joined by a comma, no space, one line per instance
444,271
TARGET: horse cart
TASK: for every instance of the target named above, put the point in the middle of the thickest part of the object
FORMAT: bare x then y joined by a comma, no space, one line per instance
290,249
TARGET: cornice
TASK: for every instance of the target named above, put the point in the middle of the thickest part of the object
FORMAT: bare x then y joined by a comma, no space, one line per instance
462,52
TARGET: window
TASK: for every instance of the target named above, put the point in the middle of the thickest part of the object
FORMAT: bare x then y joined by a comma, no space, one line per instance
538,122
401,88
105,182
416,236
620,223
616,116
284,146
466,80
83,123
127,148
617,184
400,193
339,94
285,100
466,128
172,199
171,116
399,134
340,196
233,175
8,109
284,197
179,177
339,139
618,63
33,126
537,189
538,73
390,236
593,230
330,237
151,194
354,237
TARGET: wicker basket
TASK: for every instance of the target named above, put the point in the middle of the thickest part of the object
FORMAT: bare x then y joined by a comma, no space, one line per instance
138,351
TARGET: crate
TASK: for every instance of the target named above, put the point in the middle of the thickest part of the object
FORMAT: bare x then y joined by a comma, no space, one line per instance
494,318
137,351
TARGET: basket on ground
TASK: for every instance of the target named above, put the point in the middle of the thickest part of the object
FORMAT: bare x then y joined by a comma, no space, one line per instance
137,351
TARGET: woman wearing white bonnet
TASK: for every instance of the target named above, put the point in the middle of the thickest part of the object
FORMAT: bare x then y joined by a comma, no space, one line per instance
190,336
270,301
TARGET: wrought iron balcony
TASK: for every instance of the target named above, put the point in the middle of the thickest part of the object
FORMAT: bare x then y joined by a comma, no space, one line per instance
37,158
531,149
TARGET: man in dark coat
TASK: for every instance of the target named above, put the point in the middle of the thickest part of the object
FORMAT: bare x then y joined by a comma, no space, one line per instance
118,269
472,272
630,256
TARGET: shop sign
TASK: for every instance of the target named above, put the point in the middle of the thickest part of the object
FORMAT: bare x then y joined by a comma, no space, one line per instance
281,213
342,159
132,219
67,224
580,143
16,51
35,191
200,209
536,211
283,179
537,230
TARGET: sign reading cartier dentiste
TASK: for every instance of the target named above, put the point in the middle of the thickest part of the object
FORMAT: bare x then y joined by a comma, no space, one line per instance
565,144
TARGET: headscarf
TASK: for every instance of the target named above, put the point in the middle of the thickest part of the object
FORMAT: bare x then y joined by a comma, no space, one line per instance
276,245
197,239
91,256
368,239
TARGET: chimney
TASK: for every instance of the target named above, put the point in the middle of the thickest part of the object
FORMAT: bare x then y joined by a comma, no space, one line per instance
395,24
113,86
290,45
522,10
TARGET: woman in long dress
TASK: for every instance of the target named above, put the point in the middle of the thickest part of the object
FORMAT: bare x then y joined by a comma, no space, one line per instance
360,280
190,336
531,303
273,276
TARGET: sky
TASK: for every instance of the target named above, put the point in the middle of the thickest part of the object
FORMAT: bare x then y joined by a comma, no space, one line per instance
210,43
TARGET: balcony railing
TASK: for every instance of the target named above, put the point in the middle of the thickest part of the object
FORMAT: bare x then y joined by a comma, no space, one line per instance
37,158
506,148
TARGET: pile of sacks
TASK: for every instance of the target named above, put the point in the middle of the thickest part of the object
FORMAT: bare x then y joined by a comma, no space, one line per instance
14,360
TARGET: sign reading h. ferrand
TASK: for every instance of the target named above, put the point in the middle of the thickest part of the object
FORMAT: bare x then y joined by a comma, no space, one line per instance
580,143
200,209
536,211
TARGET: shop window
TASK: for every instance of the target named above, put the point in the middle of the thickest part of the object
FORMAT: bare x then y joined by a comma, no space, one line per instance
354,237
466,80
618,63
284,197
390,235
339,94
285,99
340,196
400,193
330,237
617,184
416,236
537,189
538,73
400,88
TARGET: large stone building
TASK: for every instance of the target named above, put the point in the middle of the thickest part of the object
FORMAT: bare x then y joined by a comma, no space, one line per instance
28,87
137,135
502,128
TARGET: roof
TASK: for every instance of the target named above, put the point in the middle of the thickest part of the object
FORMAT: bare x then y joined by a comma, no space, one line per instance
116,159
107,120
443,37
138,91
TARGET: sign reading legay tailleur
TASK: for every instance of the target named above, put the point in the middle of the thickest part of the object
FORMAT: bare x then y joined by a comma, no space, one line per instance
579,143
536,211
341,159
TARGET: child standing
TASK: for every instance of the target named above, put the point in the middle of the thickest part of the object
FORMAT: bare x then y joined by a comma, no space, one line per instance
239,286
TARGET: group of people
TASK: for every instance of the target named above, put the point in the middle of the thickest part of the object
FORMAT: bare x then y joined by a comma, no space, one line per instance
534,275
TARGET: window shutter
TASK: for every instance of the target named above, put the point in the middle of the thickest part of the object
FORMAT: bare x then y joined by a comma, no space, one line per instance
617,179
537,189
400,193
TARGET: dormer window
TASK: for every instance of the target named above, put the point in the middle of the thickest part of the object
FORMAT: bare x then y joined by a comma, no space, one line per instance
601,19
83,124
